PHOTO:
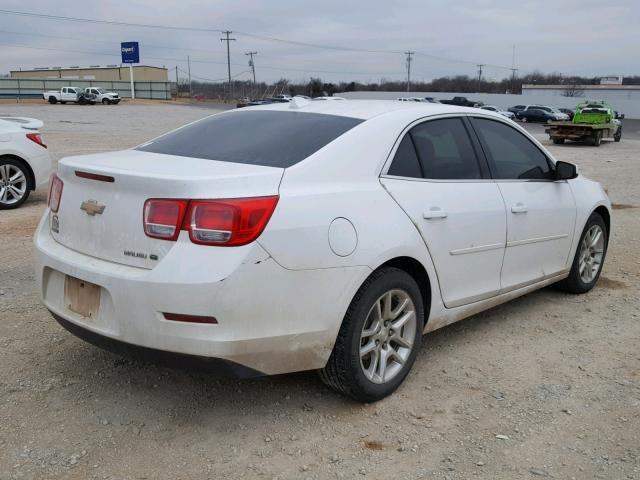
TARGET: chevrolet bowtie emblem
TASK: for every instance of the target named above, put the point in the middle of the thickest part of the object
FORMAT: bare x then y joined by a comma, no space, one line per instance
92,207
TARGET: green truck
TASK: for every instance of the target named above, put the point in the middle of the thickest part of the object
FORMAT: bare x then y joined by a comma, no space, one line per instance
593,121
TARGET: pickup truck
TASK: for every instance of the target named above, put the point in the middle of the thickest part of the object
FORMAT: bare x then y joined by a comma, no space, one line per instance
462,102
69,94
593,120
102,96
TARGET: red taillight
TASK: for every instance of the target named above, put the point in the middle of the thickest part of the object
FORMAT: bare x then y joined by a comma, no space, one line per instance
162,218
55,193
36,137
225,222
230,222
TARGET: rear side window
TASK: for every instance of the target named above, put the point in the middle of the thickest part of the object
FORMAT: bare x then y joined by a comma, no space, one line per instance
405,163
445,150
268,138
511,155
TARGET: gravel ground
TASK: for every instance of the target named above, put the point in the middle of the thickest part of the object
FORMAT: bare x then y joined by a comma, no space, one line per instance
546,386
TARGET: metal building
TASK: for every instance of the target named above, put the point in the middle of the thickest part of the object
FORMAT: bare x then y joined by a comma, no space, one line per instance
95,72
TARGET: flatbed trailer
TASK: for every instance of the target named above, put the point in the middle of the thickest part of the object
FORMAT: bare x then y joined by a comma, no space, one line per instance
589,133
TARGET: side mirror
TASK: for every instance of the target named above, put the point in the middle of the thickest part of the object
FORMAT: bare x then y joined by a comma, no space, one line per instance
565,170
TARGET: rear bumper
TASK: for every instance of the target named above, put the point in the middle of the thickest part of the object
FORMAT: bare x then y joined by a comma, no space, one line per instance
158,357
270,319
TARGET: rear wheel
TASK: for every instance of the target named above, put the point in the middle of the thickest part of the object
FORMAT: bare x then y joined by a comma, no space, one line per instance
523,119
379,337
14,183
53,100
589,258
597,139
82,101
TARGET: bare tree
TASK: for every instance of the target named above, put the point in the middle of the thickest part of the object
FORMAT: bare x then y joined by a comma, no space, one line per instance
573,90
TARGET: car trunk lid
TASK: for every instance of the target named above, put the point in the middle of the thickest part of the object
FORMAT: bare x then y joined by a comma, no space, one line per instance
122,181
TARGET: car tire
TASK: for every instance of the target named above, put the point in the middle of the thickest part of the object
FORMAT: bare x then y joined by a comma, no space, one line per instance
53,100
13,193
82,101
105,101
597,139
618,135
589,258
558,141
523,119
385,300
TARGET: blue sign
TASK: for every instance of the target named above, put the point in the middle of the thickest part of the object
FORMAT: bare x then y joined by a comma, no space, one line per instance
130,52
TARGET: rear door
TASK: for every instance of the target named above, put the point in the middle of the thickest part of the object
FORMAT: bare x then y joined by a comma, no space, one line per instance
541,212
439,180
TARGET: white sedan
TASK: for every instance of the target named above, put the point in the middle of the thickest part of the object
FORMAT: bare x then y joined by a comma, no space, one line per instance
313,235
504,113
24,160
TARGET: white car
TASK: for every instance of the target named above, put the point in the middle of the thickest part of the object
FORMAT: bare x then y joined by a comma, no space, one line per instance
103,96
504,113
25,164
334,98
313,235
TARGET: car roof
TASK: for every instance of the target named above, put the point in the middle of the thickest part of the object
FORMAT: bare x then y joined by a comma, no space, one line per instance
365,109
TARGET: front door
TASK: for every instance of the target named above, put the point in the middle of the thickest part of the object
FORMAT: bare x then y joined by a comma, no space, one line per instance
541,212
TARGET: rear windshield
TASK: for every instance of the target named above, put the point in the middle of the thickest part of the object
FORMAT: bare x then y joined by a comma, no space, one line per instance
268,138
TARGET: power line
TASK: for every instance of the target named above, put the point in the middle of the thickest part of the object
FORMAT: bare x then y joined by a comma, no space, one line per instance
246,34
182,60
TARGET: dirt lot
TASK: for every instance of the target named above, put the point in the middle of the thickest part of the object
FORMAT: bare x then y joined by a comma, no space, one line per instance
545,386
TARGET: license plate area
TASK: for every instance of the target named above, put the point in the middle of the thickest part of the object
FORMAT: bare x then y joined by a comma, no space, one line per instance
81,297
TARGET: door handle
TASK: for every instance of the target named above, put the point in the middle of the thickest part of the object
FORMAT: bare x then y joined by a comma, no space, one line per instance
434,212
519,208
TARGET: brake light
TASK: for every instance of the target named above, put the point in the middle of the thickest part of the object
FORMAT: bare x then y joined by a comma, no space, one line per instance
36,137
224,222
55,193
229,222
162,218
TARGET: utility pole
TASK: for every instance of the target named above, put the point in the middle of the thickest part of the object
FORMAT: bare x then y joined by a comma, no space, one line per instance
177,83
513,69
189,73
480,74
252,65
409,53
227,39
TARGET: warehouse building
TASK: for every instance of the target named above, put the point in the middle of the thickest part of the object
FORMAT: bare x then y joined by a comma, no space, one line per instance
95,72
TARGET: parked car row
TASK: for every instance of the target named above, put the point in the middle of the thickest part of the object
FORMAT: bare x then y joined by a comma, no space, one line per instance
247,102
86,96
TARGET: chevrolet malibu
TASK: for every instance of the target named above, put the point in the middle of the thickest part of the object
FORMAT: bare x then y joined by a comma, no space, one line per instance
313,235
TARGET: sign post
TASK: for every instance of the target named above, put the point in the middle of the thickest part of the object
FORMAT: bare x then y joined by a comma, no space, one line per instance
130,54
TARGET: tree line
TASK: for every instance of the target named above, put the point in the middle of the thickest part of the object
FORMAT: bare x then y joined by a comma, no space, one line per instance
317,87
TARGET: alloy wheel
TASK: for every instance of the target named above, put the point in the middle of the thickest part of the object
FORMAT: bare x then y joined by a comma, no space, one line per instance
591,254
387,336
13,184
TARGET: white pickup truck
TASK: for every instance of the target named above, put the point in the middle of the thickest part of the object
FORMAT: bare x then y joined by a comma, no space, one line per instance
104,97
69,94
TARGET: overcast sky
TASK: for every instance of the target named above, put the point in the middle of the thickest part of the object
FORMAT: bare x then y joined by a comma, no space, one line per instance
587,37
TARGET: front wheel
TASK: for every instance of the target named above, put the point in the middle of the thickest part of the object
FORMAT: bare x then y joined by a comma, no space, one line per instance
379,337
105,101
618,135
589,258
